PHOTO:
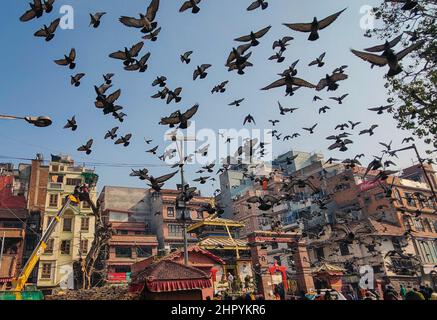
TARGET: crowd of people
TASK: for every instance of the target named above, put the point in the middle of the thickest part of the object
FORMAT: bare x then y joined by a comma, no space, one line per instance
423,292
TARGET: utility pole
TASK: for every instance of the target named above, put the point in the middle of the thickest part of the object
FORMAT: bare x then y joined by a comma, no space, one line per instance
428,179
424,172
175,138
184,226
2,249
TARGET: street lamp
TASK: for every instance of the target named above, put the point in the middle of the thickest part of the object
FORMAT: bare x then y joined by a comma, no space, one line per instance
176,138
39,122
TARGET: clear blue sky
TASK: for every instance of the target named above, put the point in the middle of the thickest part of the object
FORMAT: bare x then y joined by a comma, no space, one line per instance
32,84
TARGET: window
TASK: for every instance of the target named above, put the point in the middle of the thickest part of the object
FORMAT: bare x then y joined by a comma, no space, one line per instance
65,247
170,212
275,246
397,246
344,249
122,232
85,224
377,269
67,224
199,214
121,269
427,251
278,260
406,222
123,252
144,252
379,196
398,196
418,225
410,200
46,271
83,249
50,245
140,233
74,182
53,200
12,224
320,254
85,205
55,168
174,230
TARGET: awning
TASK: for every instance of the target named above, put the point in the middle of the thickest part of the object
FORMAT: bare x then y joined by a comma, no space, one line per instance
178,285
5,280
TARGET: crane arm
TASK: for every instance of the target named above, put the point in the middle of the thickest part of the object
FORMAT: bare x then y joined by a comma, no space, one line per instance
20,281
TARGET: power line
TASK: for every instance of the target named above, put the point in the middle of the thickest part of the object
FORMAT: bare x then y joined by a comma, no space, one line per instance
96,164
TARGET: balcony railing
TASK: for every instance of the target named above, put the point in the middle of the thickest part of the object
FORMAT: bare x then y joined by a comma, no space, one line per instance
55,186
11,232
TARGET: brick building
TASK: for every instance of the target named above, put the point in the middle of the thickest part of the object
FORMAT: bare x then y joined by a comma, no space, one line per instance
144,223
13,216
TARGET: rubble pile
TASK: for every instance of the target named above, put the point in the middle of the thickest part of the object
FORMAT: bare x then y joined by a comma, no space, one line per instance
99,293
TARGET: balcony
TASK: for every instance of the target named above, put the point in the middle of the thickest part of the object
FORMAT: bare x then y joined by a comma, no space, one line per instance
12,233
55,186
133,240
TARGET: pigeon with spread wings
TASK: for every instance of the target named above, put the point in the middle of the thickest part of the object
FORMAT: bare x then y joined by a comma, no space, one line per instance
157,183
201,71
254,36
282,43
86,147
142,174
314,27
190,4
289,81
68,60
111,133
124,140
389,58
185,57
139,65
36,11
180,118
128,55
330,81
71,124
258,4
48,32
75,80
95,19
146,21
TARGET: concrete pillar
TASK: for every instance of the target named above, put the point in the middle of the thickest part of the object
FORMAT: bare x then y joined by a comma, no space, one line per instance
303,268
259,262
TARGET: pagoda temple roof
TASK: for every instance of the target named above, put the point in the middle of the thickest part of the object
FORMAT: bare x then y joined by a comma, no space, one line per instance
327,267
215,222
221,243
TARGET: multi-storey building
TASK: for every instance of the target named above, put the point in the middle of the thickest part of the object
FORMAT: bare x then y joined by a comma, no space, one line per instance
74,234
13,216
144,223
127,211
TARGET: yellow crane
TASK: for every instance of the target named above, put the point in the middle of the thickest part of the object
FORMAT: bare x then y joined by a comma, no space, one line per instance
19,283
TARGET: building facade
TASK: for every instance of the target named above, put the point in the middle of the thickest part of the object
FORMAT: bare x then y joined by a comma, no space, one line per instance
74,234
13,219
144,223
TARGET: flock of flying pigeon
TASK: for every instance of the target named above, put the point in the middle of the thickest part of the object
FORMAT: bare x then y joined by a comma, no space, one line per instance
133,59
